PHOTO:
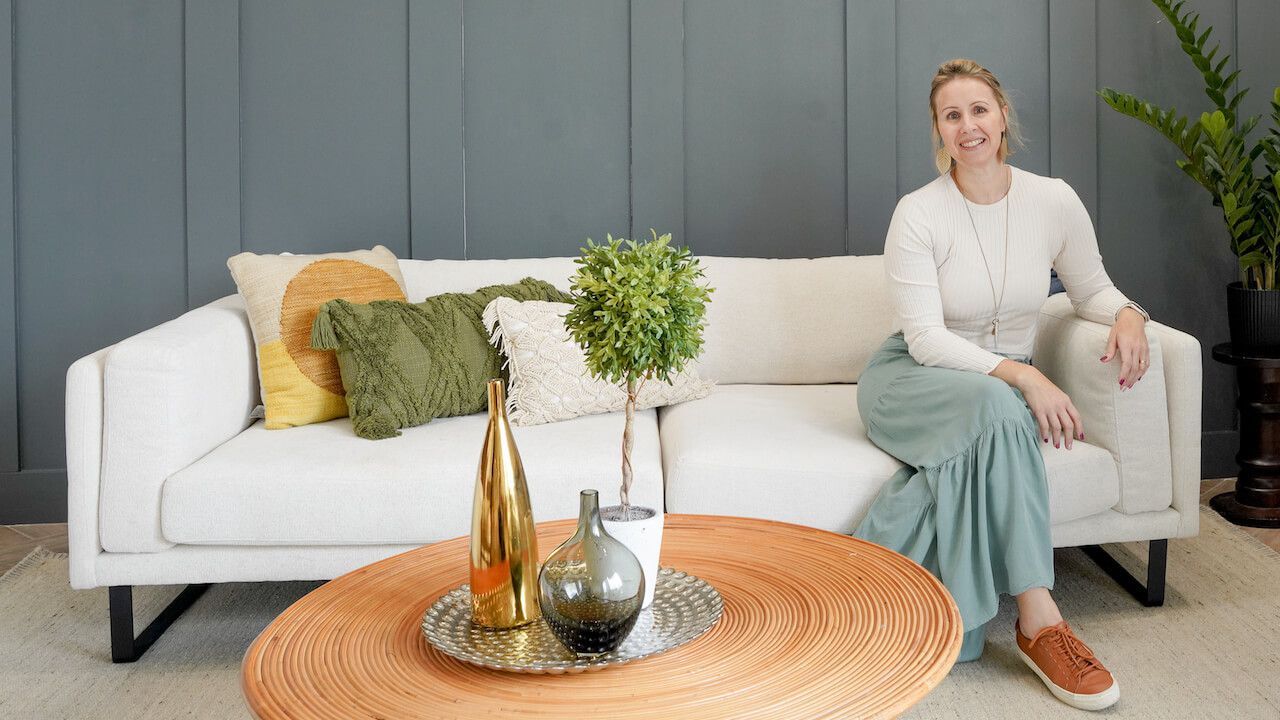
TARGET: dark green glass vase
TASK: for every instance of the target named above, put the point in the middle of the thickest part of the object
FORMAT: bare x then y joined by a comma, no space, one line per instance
590,588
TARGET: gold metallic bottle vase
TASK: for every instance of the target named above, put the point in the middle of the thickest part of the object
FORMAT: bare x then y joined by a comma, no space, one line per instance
504,543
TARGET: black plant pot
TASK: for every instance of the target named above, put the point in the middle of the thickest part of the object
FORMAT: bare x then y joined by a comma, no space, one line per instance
1253,317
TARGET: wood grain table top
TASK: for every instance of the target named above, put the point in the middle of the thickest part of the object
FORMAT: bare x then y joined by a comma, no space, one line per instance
815,625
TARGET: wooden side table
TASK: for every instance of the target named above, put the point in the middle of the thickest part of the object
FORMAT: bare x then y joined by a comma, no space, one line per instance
1256,499
815,624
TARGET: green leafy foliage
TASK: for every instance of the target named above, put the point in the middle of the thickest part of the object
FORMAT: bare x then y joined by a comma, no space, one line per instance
638,309
638,313
1215,149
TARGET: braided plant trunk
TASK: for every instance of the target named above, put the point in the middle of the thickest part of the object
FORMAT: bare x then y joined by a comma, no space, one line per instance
628,444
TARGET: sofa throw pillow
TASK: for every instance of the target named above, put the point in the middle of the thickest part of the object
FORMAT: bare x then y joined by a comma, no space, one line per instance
549,379
301,385
404,364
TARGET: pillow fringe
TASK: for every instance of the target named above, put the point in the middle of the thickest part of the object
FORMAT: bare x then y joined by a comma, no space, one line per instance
496,337
323,336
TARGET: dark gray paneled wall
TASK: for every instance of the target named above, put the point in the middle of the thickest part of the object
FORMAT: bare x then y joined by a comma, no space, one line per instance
8,270
546,114
147,141
211,34
764,127
99,235
324,125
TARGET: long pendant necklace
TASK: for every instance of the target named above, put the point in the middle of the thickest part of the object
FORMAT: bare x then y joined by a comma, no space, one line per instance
996,303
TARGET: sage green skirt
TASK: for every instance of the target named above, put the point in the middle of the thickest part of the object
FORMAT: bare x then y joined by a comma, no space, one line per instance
972,505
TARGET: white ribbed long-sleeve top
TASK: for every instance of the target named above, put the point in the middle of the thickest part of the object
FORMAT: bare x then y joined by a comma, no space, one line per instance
942,293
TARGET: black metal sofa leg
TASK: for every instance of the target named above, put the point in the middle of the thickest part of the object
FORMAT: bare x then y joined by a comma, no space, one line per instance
125,648
1151,595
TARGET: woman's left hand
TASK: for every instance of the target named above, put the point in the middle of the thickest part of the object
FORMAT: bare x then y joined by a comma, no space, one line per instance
1129,339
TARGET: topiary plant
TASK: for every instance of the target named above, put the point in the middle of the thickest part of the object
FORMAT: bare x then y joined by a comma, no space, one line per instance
1215,151
638,314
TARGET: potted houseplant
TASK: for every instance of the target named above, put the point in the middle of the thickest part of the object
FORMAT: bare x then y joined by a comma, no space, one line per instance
1217,155
638,314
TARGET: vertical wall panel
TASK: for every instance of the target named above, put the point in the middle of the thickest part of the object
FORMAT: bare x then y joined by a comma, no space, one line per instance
436,171
33,496
1258,57
1163,242
99,197
765,132
212,121
1007,36
8,271
324,125
872,123
657,118
547,116
1073,104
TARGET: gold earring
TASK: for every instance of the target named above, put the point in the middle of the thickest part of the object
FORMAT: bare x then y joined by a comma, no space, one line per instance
943,160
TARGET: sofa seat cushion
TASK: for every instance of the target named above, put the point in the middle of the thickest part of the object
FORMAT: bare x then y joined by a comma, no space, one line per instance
322,485
800,454
754,297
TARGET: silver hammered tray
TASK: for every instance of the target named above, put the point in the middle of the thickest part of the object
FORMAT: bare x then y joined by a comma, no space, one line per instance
683,608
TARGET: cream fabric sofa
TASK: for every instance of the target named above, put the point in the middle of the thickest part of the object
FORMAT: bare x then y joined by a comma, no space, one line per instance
171,481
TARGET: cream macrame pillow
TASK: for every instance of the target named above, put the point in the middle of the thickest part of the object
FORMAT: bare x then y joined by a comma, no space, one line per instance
549,376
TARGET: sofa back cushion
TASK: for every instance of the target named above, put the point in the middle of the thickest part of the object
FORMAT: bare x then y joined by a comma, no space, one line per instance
424,278
794,322
784,322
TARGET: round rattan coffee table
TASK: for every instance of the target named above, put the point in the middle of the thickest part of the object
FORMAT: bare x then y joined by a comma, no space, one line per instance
815,624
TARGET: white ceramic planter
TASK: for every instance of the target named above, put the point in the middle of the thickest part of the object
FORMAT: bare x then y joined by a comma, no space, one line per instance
643,537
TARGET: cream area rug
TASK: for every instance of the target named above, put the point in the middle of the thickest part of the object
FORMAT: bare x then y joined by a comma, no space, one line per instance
1210,652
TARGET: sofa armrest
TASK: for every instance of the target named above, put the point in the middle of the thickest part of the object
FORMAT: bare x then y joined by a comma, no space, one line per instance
1184,378
84,465
170,395
1136,426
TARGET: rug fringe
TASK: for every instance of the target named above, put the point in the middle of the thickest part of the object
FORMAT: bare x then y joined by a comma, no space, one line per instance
33,558
1240,532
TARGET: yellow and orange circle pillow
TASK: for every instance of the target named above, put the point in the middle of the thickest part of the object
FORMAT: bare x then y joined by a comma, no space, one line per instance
282,294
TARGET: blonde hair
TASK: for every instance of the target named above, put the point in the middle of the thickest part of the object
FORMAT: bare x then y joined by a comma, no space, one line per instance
966,68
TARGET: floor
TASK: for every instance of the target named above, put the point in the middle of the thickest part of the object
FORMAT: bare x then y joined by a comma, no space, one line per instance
16,541
1209,488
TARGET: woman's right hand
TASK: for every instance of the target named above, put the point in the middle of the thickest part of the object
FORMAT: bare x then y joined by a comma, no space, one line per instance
1052,409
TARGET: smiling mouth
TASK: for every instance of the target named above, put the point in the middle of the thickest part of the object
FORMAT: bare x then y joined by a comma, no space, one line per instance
973,143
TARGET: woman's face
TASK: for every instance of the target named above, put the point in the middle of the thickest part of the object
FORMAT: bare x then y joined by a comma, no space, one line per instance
970,121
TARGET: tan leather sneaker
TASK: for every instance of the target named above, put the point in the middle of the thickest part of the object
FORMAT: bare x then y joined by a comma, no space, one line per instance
1068,667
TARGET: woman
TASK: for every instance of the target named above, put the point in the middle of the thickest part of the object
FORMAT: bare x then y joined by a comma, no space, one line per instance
954,395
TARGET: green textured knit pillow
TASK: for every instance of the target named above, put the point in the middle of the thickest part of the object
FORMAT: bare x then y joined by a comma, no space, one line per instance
404,364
